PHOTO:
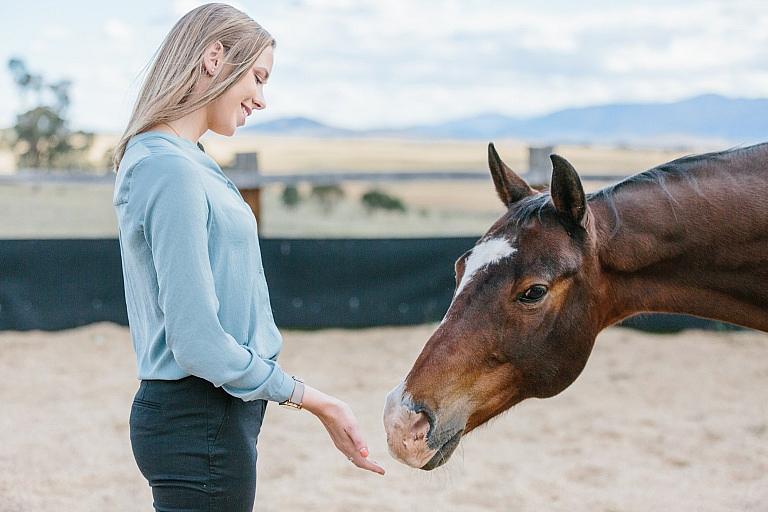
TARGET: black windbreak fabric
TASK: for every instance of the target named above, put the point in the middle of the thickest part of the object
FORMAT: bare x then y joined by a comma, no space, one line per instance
62,283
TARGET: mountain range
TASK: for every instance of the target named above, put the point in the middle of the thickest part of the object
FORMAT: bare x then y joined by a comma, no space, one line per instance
702,118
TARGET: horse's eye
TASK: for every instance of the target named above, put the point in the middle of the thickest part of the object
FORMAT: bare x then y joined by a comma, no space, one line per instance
533,294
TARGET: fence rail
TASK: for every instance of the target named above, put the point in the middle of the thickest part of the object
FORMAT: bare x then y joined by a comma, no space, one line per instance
250,181
246,179
247,175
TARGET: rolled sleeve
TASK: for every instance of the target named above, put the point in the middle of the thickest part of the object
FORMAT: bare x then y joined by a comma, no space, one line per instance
175,220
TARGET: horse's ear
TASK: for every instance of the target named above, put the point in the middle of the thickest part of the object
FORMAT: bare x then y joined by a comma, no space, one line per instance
510,187
566,190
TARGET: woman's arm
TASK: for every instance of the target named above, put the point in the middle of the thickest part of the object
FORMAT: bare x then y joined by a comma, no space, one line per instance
174,212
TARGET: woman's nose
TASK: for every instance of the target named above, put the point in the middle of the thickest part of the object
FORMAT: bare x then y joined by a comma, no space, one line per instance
259,103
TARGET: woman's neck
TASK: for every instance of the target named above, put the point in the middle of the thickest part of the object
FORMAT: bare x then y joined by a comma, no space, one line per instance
190,127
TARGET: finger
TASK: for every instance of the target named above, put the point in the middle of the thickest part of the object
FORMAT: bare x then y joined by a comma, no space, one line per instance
357,439
369,465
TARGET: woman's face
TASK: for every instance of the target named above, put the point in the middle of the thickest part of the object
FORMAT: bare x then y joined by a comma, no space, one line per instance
229,110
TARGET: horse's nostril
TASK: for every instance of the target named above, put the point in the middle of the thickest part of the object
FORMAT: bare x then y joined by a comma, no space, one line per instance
420,428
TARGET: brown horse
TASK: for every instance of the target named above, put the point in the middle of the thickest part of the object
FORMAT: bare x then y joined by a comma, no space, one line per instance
690,236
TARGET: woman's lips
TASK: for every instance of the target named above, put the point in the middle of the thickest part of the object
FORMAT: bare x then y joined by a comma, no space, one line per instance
246,109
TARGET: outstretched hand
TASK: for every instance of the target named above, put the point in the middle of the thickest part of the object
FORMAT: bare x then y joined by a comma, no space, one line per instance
340,422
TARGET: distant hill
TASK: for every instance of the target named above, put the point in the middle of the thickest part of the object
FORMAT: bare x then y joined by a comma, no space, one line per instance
707,117
299,126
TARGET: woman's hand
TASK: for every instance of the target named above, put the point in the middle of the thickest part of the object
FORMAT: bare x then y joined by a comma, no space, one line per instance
341,424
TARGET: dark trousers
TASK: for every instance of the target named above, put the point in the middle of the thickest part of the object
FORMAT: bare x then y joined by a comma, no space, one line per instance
196,445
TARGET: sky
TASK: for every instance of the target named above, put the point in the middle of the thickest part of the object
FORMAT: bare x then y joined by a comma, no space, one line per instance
391,63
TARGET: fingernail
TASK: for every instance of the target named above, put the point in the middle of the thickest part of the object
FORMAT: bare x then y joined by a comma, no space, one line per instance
364,452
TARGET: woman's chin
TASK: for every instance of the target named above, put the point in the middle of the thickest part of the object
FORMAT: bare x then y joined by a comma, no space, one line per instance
227,131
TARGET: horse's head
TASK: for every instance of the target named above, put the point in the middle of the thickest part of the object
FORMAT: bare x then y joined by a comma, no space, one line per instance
519,325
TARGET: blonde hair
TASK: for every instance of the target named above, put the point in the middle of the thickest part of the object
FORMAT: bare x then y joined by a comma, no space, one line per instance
178,65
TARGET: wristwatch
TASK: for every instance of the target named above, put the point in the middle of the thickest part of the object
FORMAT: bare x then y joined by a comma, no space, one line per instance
295,400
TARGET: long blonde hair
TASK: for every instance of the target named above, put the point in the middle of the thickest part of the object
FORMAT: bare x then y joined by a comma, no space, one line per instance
178,64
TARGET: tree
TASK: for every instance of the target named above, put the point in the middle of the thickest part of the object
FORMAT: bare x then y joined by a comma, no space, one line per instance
327,195
41,137
378,200
290,196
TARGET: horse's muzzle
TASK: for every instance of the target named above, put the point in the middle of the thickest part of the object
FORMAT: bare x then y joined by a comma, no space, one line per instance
407,430
412,436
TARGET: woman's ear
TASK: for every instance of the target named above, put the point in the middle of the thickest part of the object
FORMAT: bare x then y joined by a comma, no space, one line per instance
212,57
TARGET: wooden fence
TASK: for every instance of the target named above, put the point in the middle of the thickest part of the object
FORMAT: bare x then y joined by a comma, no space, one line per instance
250,181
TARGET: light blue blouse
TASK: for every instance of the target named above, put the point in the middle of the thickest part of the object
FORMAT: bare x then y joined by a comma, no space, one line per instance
195,289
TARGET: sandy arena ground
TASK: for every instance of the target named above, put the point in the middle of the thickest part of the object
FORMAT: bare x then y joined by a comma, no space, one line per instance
655,423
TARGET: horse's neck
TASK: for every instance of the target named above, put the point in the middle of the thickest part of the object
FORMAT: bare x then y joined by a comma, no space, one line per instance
696,243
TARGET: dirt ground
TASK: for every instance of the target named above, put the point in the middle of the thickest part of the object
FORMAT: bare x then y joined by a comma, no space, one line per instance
662,423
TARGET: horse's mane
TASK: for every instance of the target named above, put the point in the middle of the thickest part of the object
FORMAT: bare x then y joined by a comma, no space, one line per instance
682,168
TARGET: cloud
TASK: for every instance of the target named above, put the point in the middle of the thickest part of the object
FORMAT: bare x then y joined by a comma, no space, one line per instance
56,32
182,7
118,30
366,63
445,59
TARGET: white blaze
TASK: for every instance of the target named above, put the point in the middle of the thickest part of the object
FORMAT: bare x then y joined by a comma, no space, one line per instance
484,254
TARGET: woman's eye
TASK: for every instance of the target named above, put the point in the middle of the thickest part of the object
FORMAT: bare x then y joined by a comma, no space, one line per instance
533,294
258,79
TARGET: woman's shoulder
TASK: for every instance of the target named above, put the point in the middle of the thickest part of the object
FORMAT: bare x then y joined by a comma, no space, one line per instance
153,149
152,167
157,157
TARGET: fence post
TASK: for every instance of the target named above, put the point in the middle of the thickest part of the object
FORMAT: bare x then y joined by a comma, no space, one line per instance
539,165
249,162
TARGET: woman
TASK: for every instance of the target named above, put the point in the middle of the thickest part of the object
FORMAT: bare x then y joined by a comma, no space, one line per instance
198,306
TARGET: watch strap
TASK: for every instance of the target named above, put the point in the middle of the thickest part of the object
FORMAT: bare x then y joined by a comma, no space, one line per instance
297,395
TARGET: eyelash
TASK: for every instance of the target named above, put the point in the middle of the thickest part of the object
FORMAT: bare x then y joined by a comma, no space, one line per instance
258,79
